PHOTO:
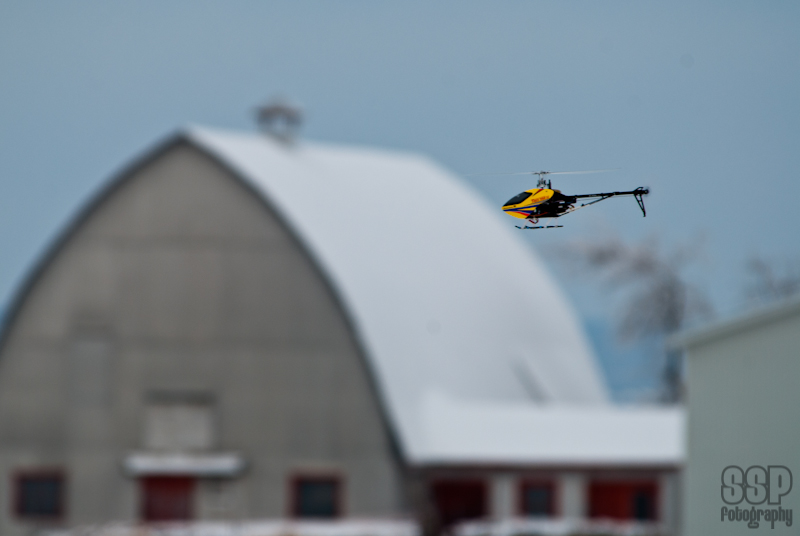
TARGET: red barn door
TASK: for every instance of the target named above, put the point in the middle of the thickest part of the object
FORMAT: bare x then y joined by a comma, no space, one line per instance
167,498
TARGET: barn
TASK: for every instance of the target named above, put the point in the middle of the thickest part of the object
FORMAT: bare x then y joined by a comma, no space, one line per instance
245,326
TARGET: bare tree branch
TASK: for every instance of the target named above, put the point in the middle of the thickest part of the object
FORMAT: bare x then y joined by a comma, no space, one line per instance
771,280
659,300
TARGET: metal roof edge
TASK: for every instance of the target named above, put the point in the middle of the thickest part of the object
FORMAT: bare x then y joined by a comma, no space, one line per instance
749,320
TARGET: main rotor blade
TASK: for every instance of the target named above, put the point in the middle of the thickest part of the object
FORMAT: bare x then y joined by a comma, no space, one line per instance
540,173
495,174
580,172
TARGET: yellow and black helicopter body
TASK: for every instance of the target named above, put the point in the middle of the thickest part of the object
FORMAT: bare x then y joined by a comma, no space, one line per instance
546,202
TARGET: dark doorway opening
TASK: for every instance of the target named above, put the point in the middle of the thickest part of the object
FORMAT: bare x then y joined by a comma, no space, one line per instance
459,500
537,498
167,498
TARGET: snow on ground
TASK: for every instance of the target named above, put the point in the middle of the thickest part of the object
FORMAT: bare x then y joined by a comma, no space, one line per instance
508,527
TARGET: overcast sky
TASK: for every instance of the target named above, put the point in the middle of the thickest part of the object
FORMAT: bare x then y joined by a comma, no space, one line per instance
698,100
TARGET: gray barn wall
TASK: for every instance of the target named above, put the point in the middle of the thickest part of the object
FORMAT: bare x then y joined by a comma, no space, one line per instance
188,283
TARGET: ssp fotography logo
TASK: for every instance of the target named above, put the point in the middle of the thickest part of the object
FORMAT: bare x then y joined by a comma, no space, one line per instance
759,491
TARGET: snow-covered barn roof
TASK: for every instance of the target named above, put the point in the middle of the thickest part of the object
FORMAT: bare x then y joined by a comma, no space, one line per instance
443,297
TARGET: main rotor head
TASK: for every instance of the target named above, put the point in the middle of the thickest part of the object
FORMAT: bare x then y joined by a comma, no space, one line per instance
545,183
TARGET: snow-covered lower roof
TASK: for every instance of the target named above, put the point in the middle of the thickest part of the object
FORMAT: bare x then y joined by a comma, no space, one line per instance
443,296
488,433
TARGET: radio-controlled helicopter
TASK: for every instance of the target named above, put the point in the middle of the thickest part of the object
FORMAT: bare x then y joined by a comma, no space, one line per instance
546,202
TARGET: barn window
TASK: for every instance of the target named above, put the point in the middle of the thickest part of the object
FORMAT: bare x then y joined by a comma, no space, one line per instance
179,421
39,495
316,497
537,499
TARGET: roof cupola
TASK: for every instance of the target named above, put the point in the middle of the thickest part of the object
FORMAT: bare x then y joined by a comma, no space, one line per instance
280,118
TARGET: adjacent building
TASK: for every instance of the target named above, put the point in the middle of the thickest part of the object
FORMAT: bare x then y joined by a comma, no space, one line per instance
241,326
743,455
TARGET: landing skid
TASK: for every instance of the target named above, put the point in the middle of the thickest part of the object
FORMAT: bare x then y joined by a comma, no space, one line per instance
539,227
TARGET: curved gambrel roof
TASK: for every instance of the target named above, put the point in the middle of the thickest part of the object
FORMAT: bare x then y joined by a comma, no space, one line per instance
442,296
